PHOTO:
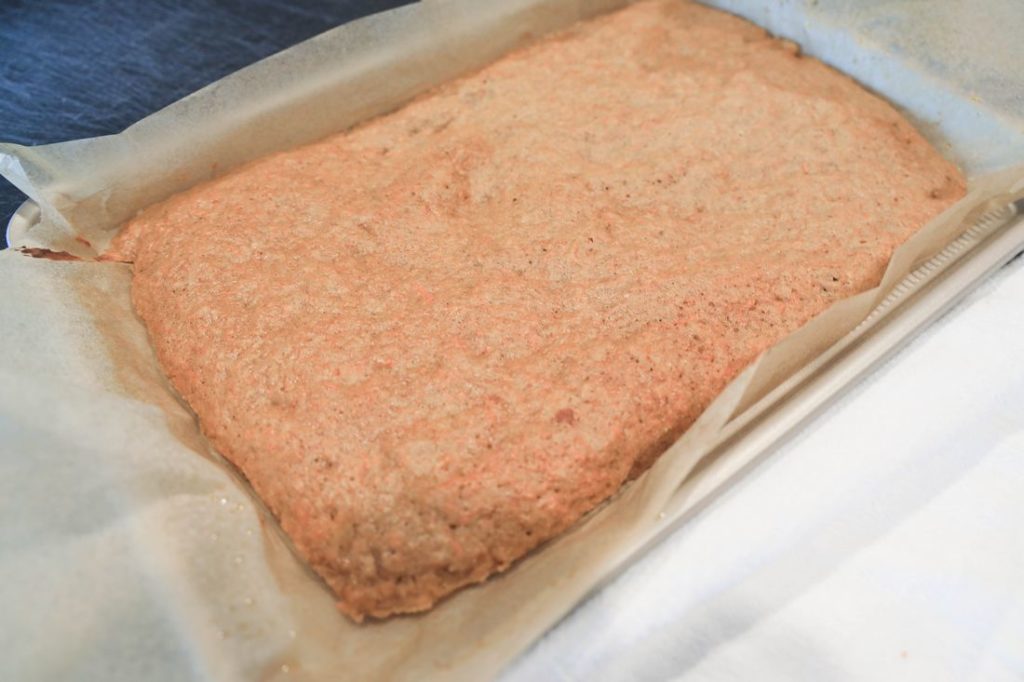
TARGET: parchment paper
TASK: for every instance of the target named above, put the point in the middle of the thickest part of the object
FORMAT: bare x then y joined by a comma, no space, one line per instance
91,427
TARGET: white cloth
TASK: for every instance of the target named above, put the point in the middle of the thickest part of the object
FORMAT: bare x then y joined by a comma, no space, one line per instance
886,541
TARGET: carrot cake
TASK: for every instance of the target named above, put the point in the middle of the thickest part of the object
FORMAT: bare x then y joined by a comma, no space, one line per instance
437,340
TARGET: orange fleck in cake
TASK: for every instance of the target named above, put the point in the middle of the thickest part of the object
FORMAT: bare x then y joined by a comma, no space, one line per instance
435,341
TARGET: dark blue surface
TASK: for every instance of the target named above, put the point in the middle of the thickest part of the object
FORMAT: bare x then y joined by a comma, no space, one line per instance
72,68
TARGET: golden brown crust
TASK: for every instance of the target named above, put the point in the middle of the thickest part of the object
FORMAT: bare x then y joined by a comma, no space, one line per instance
438,340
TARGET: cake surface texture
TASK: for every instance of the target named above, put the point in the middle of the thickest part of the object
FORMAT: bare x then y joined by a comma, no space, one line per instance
437,340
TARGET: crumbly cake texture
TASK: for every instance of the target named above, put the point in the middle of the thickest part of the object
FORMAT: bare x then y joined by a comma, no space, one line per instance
435,341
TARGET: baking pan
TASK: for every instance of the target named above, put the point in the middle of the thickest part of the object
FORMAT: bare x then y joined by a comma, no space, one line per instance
950,102
21,222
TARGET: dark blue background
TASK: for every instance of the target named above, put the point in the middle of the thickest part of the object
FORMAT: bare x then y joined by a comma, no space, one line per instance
73,68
